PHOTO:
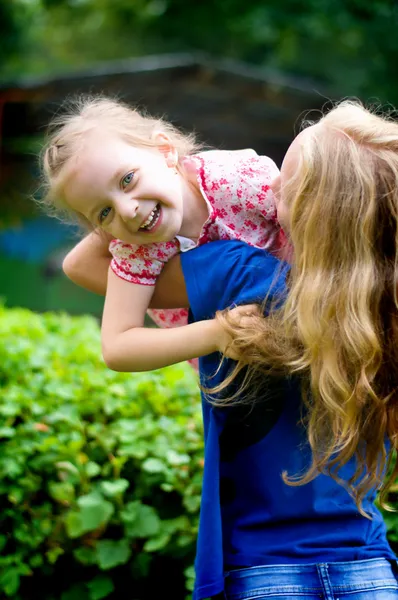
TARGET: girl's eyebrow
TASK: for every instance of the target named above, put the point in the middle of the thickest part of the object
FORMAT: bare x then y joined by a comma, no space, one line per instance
117,175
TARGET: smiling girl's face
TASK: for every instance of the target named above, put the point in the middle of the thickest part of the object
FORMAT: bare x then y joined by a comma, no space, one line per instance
134,194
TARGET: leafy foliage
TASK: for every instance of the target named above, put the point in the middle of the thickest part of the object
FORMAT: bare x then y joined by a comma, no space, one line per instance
100,472
350,45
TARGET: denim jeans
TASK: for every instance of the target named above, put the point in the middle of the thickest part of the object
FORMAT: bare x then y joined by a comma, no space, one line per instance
373,579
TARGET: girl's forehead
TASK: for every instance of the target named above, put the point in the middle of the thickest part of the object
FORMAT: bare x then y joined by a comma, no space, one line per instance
101,151
291,159
99,139
110,146
101,155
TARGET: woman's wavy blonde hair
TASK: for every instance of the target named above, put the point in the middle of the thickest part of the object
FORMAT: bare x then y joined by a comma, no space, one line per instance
338,328
84,115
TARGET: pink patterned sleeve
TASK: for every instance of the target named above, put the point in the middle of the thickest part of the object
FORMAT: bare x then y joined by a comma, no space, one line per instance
255,174
141,264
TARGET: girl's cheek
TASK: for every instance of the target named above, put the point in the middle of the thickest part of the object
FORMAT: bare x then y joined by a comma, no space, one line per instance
275,189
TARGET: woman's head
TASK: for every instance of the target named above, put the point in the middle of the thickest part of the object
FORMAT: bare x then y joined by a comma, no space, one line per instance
113,167
338,200
341,165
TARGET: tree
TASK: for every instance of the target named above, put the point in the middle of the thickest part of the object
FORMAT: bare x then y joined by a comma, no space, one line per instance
350,45
11,30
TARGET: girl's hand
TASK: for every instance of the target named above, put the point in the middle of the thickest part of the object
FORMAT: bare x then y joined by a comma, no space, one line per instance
240,317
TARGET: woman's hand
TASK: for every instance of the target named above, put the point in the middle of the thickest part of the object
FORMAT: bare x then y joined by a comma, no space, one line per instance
240,317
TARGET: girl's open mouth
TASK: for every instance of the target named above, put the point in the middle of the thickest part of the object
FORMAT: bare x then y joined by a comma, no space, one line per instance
152,219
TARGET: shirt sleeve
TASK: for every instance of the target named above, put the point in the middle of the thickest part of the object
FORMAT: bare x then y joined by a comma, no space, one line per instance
254,175
226,273
237,184
141,264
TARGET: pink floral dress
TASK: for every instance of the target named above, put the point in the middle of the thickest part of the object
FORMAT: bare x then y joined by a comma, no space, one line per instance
235,185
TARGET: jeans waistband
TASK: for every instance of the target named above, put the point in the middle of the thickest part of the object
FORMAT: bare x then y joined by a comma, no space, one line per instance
350,573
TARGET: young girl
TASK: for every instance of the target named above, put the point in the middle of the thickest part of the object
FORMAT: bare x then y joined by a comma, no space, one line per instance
146,186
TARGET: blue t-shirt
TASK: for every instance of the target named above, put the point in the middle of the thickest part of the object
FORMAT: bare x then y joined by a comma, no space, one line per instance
249,516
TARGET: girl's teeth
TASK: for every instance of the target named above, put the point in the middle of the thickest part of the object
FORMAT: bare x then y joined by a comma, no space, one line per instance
148,222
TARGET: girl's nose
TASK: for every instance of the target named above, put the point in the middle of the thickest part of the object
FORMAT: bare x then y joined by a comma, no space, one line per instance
128,209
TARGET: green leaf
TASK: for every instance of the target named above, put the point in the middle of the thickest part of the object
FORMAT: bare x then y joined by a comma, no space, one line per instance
7,432
166,487
92,469
11,467
85,555
9,410
67,466
158,543
111,553
94,512
192,503
45,526
190,578
53,554
63,491
134,450
140,520
9,581
100,587
175,459
36,561
114,488
190,572
153,465
16,495
74,524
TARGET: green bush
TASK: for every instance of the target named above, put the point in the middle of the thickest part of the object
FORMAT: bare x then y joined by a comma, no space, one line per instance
100,472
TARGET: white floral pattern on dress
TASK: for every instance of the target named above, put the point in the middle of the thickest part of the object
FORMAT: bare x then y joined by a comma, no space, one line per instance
236,187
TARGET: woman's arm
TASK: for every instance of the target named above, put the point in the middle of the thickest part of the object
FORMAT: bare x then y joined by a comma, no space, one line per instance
128,346
88,262
87,265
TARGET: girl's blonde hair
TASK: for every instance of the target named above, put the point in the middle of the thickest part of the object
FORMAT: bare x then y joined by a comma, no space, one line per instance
85,115
338,327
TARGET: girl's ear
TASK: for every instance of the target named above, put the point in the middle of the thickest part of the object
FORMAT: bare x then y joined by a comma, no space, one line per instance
166,148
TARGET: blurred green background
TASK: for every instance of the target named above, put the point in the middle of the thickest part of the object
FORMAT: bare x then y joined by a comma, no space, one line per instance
239,73
351,44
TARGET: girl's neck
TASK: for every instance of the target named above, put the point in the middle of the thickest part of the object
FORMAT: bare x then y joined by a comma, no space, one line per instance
196,211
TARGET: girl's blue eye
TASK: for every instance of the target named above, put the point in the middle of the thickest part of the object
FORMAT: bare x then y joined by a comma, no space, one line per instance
104,213
128,179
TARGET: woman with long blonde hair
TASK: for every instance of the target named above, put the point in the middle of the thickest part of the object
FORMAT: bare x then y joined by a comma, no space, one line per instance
301,427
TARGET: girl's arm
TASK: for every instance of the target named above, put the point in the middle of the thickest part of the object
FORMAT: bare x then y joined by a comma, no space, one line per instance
128,346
